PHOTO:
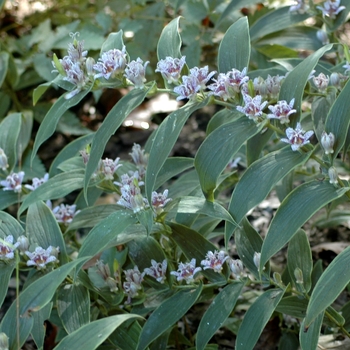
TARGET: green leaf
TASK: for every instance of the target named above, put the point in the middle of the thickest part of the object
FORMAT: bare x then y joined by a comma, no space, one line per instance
142,250
319,111
164,140
256,318
194,245
248,241
39,91
67,152
39,328
4,61
73,306
91,216
8,198
295,82
273,167
294,211
173,166
331,283
196,205
9,131
217,312
106,232
25,132
114,41
33,298
299,257
256,144
169,43
126,336
5,275
309,339
218,149
275,21
234,49
112,122
48,125
90,336
293,306
43,230
10,226
338,120
166,314
56,187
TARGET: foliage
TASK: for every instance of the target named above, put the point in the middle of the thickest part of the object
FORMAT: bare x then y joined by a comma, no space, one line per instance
177,237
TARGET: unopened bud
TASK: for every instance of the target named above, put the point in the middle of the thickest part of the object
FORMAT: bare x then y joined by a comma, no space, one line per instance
3,160
334,79
277,278
298,274
236,267
333,175
4,342
112,284
23,243
327,141
89,64
256,259
322,37
103,269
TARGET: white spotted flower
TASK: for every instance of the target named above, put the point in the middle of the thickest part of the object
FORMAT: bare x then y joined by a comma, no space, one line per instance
297,137
186,271
42,257
13,182
253,107
157,270
135,71
281,111
214,260
170,68
7,248
111,64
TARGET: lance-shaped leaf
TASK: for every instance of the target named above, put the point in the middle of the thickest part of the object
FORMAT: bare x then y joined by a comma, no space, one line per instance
172,167
4,62
217,313
169,43
114,41
293,306
33,298
295,82
218,149
300,259
331,283
143,249
9,131
10,226
5,275
275,21
194,245
73,306
309,339
69,151
234,49
294,211
56,187
256,318
166,314
261,177
91,216
103,234
43,230
8,198
196,205
48,125
338,119
39,328
112,122
90,336
164,140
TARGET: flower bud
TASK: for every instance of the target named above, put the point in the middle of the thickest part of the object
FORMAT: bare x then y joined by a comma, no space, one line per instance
89,64
278,279
256,260
3,160
334,79
327,142
236,267
298,274
112,284
322,37
333,175
23,243
4,342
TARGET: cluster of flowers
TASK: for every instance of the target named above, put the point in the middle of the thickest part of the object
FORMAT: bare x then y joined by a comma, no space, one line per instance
185,272
330,8
130,184
82,71
39,258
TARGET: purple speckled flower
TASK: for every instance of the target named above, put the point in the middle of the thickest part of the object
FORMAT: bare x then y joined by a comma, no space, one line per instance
171,68
297,137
